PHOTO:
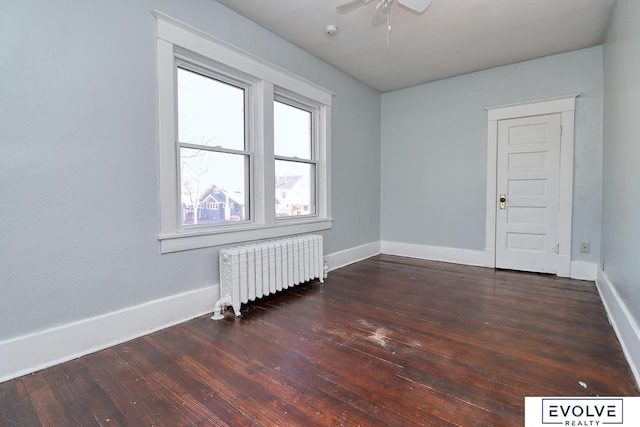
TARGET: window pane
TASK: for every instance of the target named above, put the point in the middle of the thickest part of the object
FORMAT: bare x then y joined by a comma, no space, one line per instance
295,188
209,112
214,187
291,131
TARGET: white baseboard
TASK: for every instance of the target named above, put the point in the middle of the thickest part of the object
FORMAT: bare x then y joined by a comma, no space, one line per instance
489,257
30,353
434,253
623,323
583,270
349,256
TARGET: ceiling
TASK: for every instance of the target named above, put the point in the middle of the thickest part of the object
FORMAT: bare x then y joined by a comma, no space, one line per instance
452,37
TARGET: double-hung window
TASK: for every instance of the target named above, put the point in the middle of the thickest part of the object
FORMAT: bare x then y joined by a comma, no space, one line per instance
212,144
295,164
244,145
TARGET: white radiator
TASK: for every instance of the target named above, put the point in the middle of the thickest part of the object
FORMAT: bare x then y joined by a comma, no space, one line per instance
253,271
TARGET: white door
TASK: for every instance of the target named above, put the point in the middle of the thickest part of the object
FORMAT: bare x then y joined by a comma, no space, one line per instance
528,172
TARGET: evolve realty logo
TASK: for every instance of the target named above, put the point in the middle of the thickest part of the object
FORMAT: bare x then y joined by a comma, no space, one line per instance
582,411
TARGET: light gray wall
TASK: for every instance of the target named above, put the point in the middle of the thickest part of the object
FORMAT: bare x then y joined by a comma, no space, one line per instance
434,150
79,202
621,188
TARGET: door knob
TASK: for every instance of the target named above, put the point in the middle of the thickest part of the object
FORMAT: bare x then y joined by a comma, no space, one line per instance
503,201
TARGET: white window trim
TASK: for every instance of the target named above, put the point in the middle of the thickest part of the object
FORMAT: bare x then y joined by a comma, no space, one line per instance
173,35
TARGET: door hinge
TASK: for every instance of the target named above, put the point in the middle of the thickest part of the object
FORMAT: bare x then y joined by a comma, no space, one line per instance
560,129
556,248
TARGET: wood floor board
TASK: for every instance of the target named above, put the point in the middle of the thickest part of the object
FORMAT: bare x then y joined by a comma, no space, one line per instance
73,403
388,341
479,312
364,377
533,327
140,402
517,283
89,394
472,287
180,386
46,405
288,396
492,331
549,366
479,309
372,342
16,406
302,372
400,346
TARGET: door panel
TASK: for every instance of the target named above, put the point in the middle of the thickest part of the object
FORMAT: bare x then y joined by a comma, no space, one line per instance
526,215
528,175
527,161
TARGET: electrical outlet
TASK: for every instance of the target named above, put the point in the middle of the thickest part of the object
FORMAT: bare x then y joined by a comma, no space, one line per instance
585,248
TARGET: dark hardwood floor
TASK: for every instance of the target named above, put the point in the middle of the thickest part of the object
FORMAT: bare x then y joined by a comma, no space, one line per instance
387,341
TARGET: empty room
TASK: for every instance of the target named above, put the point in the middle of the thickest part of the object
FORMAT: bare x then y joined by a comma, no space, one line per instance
299,213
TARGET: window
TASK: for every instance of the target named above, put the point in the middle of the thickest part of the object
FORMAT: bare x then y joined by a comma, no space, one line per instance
211,139
295,166
236,131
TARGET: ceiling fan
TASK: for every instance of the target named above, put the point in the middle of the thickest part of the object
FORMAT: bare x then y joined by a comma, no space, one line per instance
383,10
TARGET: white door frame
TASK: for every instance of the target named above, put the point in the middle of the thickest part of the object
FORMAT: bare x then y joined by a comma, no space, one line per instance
566,106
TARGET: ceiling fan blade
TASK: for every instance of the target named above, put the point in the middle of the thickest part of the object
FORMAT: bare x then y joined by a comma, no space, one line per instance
418,6
351,5
382,10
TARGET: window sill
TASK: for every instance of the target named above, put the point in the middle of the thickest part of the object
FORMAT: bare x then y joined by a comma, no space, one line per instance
207,238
